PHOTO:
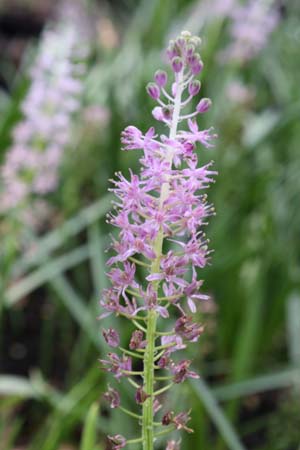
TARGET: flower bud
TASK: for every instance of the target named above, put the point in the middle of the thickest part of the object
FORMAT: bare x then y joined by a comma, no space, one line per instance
161,78
194,87
190,50
180,43
177,64
153,90
195,63
171,50
186,34
203,105
197,67
157,113
196,41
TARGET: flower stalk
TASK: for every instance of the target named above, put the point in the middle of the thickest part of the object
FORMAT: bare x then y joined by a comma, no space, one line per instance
147,422
164,206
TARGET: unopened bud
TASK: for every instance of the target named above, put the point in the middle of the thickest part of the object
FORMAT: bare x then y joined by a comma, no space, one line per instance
186,34
153,90
196,41
177,64
194,87
161,78
190,50
203,105
195,64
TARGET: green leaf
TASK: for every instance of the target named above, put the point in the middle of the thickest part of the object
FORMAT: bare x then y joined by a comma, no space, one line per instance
89,435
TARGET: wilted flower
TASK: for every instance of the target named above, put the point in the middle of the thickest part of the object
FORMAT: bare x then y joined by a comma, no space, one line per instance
113,397
118,441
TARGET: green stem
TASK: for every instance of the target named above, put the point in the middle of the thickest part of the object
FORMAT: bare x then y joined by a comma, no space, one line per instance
147,422
133,354
149,379
130,413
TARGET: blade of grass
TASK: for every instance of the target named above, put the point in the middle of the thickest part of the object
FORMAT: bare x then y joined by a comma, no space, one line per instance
45,273
58,237
11,385
77,308
89,435
263,383
95,244
293,328
216,414
70,411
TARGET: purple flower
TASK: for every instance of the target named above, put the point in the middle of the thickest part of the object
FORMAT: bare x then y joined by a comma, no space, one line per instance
117,366
122,279
204,136
173,267
191,292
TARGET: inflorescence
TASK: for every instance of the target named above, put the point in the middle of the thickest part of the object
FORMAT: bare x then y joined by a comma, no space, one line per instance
160,216
31,168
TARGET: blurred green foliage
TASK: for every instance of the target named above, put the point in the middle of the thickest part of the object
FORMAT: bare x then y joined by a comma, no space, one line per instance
51,385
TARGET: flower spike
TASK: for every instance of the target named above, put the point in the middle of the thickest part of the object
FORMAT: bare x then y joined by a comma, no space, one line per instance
164,205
